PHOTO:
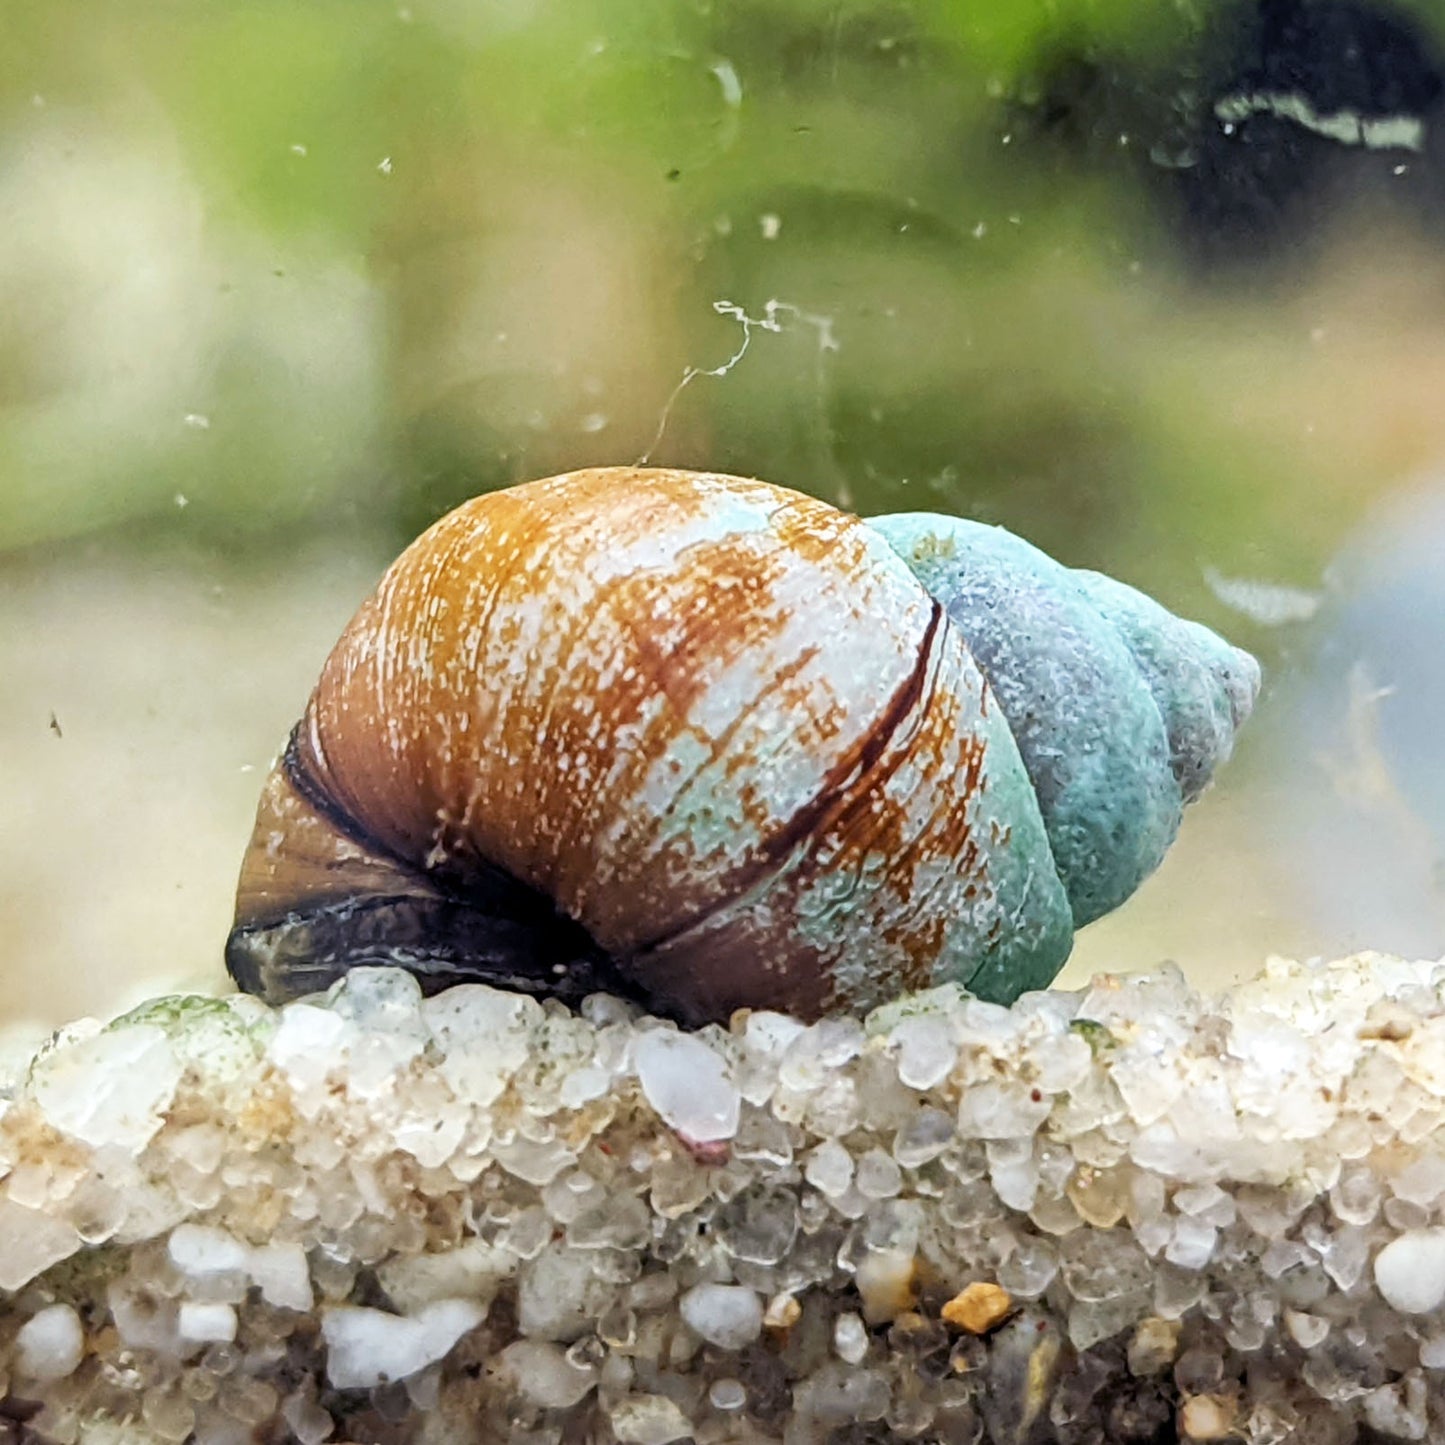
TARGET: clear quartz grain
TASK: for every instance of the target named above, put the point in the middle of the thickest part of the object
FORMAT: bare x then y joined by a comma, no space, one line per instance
878,1175
829,1168
850,1339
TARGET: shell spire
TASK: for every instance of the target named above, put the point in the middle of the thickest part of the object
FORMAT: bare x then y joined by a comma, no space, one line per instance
1122,711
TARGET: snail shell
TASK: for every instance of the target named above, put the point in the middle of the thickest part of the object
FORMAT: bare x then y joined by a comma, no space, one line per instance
712,744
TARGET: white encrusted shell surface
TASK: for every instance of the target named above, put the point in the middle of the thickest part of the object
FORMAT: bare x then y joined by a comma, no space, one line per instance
1095,1216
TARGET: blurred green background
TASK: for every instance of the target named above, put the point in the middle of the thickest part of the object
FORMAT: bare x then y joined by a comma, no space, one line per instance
282,282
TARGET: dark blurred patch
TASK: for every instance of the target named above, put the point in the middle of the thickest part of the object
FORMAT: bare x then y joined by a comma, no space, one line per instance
1275,124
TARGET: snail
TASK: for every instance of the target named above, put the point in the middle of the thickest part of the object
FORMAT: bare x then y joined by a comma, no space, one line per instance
709,743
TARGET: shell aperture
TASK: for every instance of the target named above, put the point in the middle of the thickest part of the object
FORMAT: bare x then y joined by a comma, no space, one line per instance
699,739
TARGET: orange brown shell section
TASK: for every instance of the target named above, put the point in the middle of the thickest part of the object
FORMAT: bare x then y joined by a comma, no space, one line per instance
717,722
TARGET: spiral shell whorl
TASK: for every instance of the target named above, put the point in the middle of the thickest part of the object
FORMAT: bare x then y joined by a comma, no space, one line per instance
1121,711
1204,688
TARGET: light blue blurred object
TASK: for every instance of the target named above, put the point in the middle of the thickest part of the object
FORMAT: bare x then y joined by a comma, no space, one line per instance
1363,806
1120,710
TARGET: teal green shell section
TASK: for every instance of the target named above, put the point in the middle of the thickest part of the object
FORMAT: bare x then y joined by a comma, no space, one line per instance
1120,711
1033,933
1204,688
